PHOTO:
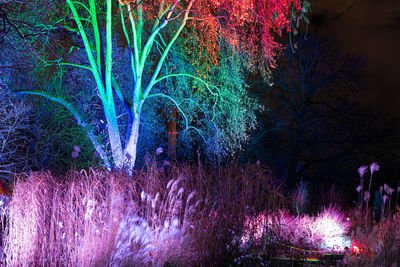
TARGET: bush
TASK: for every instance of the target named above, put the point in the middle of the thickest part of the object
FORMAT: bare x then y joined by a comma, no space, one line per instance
279,233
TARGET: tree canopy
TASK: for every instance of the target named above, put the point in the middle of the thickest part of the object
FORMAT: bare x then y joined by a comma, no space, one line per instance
216,39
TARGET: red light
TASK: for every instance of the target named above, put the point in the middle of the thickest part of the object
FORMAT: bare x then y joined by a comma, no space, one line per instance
355,249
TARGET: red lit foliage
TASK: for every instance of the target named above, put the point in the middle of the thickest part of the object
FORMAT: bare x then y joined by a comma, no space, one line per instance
249,26
3,189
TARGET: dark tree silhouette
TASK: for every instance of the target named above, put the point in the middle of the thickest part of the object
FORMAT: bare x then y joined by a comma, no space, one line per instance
310,114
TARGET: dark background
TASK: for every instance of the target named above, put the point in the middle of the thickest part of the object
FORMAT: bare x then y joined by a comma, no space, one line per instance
372,29
367,113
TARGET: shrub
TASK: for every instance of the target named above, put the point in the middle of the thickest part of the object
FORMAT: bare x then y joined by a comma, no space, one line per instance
280,232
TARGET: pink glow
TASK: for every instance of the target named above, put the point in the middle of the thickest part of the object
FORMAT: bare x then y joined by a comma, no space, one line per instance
327,230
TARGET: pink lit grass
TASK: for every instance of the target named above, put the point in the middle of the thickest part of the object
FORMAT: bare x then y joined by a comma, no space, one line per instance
97,218
84,221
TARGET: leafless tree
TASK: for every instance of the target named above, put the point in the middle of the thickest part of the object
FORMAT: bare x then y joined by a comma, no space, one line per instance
16,135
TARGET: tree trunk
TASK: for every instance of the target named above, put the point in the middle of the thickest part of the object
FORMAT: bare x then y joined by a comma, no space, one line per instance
115,138
292,172
294,161
130,150
172,134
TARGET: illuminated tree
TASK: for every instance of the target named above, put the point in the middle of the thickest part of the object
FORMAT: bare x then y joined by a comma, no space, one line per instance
151,28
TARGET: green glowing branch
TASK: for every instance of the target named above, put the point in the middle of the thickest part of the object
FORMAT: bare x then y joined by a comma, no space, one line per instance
129,43
108,52
118,91
156,23
167,49
139,8
94,68
96,30
135,65
70,64
82,5
149,45
135,42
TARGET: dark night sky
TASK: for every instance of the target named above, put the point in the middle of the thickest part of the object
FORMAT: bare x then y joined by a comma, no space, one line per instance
370,28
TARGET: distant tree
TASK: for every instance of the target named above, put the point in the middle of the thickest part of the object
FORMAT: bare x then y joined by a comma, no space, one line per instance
206,30
311,116
14,139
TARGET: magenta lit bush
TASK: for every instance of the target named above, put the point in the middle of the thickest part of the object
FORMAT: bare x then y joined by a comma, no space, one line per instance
326,231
